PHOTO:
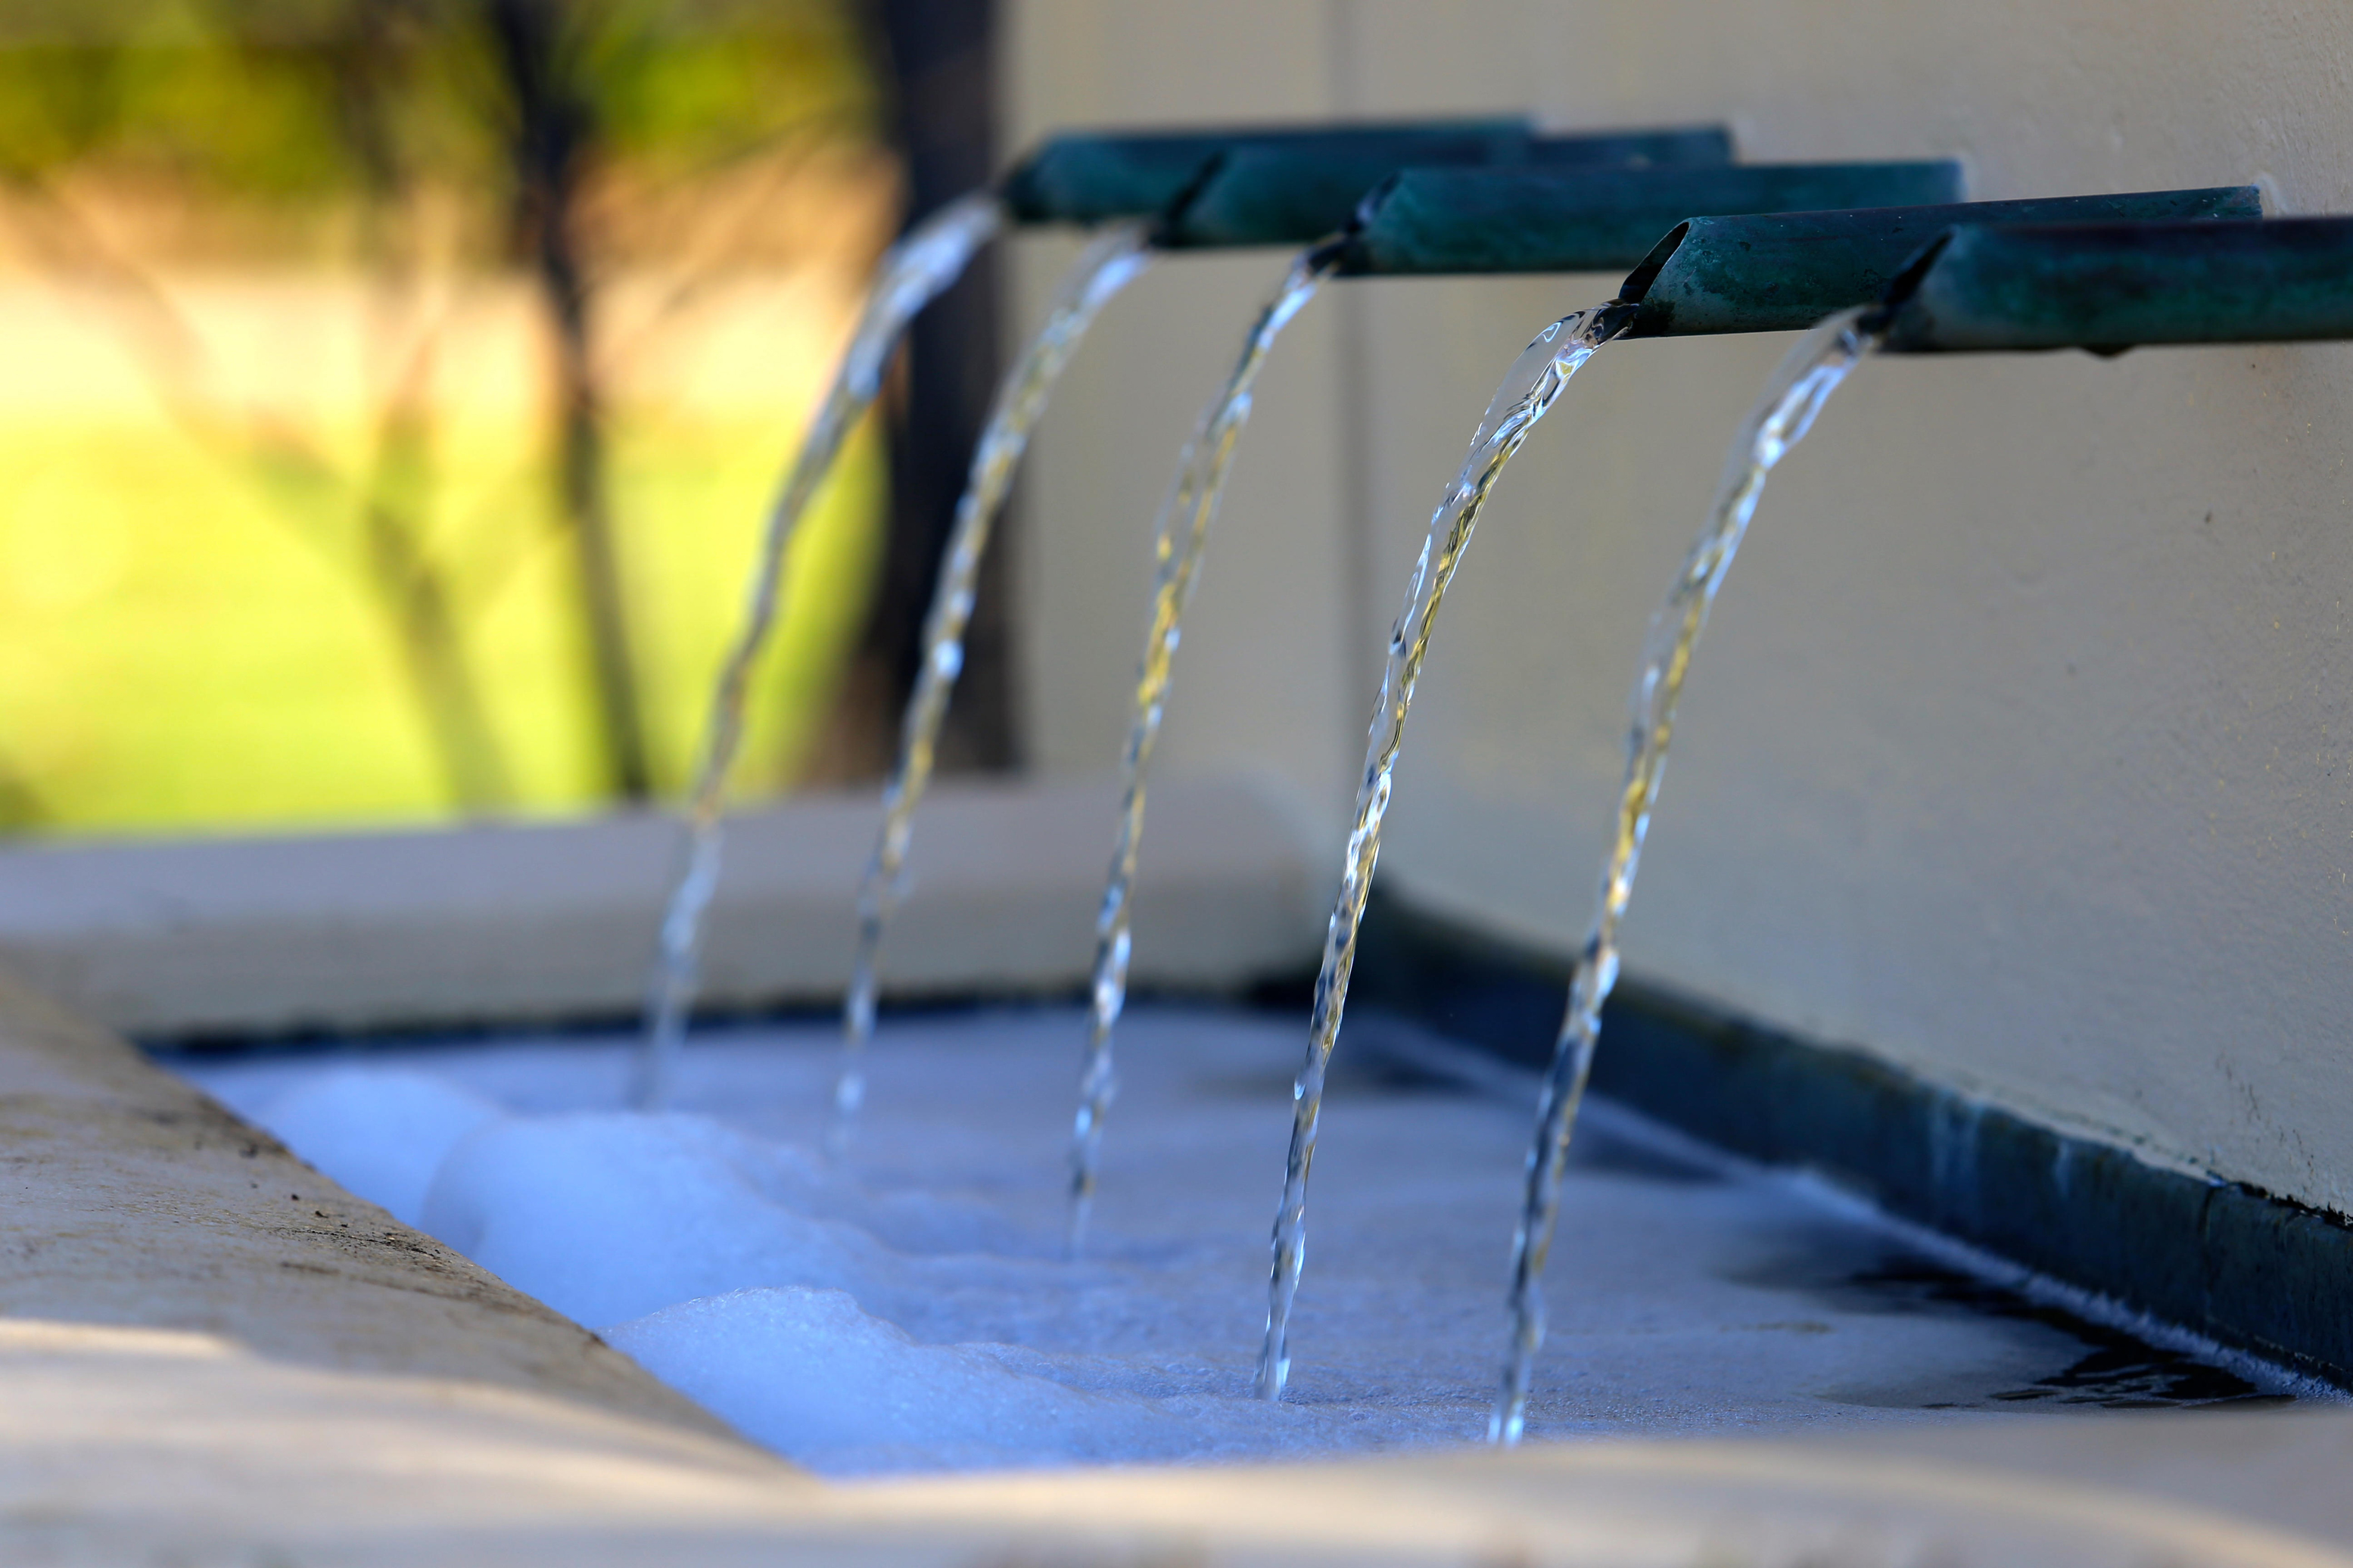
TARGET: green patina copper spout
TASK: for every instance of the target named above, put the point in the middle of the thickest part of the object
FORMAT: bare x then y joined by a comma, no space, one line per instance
1297,195
1597,220
1091,177
1785,271
2112,287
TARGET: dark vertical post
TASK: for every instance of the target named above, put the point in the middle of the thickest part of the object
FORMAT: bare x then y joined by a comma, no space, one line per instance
941,59
553,126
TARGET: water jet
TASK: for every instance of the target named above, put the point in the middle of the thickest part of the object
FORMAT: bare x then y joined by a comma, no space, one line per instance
1078,178
1263,189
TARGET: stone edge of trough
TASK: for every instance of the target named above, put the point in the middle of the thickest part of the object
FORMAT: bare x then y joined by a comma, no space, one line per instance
134,1201
241,937
2241,1266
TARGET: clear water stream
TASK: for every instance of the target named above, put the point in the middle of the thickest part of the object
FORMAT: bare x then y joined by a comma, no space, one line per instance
1116,258
1536,380
1179,536
915,270
1807,377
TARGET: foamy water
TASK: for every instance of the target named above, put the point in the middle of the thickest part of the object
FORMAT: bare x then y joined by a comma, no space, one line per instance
913,1309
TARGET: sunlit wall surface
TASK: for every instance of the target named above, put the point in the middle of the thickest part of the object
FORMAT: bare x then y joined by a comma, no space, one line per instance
391,391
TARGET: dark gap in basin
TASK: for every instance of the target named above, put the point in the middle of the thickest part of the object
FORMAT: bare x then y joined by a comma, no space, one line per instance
2106,1367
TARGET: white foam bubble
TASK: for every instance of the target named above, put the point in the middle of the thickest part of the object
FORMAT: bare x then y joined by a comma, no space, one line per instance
806,1372
610,1215
380,1132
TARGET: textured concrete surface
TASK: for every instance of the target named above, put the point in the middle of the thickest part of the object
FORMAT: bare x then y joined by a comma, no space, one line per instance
123,1446
514,923
128,1200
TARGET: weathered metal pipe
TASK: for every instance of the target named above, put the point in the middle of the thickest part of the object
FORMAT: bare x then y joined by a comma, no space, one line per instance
1088,177
2112,287
1595,220
1785,271
1295,195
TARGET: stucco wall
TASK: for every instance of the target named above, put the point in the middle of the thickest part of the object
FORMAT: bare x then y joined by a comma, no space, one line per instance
2017,748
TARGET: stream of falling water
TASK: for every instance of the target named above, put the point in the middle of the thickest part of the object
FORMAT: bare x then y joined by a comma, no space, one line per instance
1805,380
926,261
1536,380
1116,258
1179,535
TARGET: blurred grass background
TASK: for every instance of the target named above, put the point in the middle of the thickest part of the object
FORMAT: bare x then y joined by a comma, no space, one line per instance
393,392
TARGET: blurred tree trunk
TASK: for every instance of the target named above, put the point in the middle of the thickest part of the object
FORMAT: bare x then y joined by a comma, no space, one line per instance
550,137
367,57
939,63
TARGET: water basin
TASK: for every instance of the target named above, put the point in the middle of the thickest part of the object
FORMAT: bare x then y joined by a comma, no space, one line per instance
913,1309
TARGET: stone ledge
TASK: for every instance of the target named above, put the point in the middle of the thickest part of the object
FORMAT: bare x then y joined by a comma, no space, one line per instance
129,1446
555,922
130,1201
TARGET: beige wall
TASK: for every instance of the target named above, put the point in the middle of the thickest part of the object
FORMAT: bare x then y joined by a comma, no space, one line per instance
1105,458
2018,751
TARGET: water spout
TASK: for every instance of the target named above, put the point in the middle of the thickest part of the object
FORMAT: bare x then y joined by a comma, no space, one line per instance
1096,176
2108,288
1446,221
1292,196
1785,271
2207,276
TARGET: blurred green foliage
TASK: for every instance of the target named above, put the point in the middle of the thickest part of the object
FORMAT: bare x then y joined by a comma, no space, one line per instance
252,97
411,608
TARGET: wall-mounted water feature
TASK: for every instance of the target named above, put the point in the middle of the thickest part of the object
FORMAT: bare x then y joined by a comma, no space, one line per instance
1534,220
1541,205
1747,249
1271,190
849,1321
1780,268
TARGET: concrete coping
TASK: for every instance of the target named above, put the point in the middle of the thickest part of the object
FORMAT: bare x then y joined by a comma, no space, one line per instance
135,1204
512,923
